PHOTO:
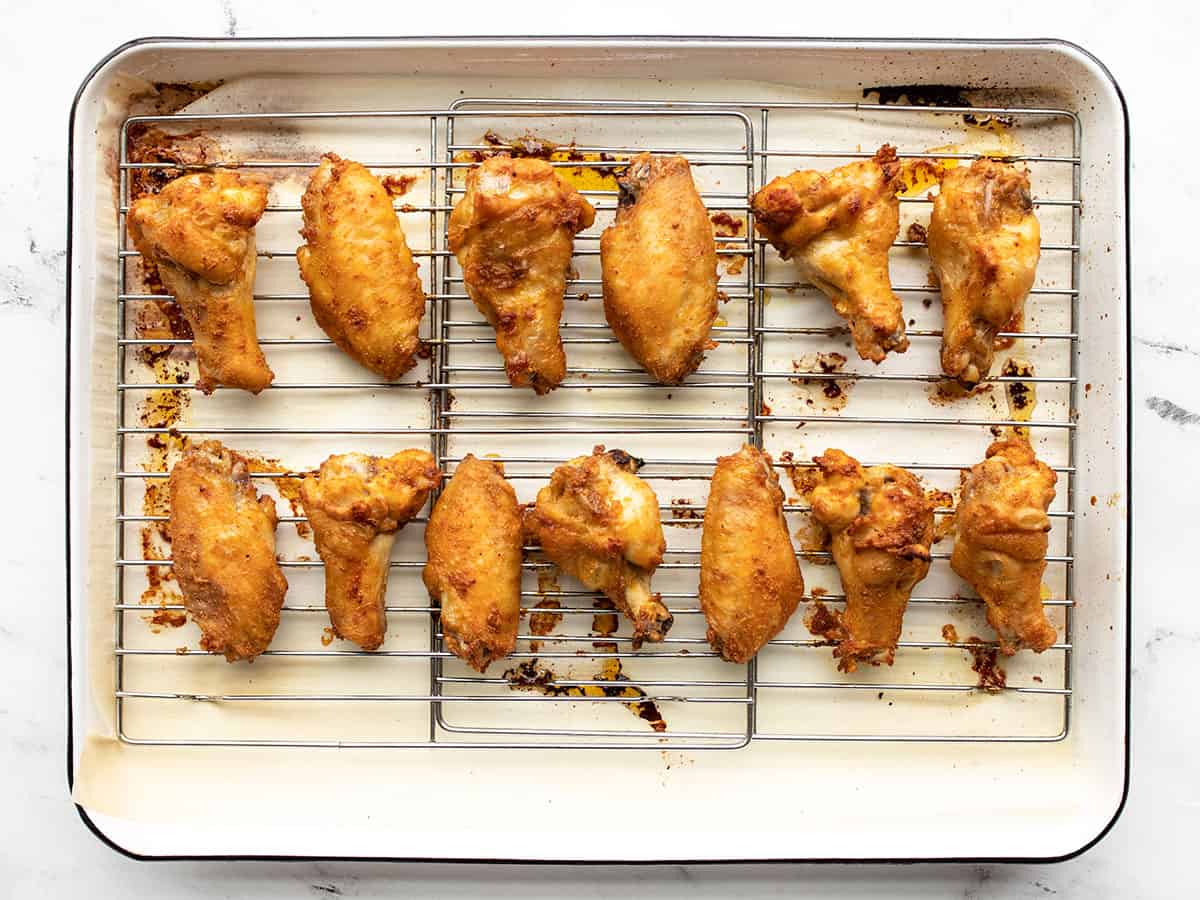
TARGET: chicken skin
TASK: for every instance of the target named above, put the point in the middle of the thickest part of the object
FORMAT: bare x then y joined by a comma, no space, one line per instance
362,281
750,582
199,232
599,522
658,263
1001,541
513,233
473,570
838,227
223,550
355,506
881,525
984,241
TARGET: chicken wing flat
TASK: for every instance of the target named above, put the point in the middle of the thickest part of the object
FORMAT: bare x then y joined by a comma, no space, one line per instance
599,522
750,581
1001,541
199,232
223,547
881,524
355,505
513,233
838,226
658,264
362,281
473,570
984,241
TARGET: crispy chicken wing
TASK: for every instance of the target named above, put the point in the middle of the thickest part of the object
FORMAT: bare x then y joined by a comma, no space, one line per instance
362,281
199,232
838,227
881,524
599,522
355,506
659,265
750,581
223,550
984,241
473,570
513,233
1000,547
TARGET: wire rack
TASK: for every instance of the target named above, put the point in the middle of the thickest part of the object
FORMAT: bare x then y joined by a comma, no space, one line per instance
309,694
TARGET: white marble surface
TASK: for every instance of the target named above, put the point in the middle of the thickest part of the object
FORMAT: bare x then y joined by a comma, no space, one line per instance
47,47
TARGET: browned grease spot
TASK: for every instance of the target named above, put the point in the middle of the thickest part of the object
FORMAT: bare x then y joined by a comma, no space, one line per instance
984,661
727,226
543,623
917,233
166,618
949,634
604,622
764,409
947,391
327,636
828,393
581,177
1093,499
530,675
287,486
825,623
398,185
680,510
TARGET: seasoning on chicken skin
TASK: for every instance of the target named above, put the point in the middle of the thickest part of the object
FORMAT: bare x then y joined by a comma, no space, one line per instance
985,242
355,506
881,525
199,232
659,268
1001,541
223,550
361,278
473,571
513,233
600,523
750,581
838,226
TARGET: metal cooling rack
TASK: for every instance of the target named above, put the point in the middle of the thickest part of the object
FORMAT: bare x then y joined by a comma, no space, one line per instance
461,704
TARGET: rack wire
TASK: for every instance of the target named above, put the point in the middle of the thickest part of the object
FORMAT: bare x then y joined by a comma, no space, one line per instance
733,398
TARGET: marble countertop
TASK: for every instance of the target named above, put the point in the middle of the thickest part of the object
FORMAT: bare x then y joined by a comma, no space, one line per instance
48,47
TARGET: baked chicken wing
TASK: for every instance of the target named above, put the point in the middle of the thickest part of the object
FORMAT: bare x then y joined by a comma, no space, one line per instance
355,505
1001,541
474,563
984,241
838,227
199,232
599,522
223,550
362,281
513,233
881,525
658,264
750,582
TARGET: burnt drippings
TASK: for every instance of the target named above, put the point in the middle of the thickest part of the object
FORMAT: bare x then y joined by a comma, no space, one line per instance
582,177
532,675
918,234
985,663
398,185
934,95
604,621
949,633
543,623
684,515
830,393
287,485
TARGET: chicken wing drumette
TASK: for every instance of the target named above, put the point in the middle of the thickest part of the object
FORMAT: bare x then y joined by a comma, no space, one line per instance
355,505
474,562
600,523
984,241
838,227
513,233
659,268
750,581
199,232
223,550
1001,541
361,278
881,525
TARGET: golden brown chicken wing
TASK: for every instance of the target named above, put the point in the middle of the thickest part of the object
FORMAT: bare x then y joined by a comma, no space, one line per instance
355,506
199,232
1001,541
223,550
659,266
513,233
881,524
474,564
984,241
750,581
838,227
600,523
362,281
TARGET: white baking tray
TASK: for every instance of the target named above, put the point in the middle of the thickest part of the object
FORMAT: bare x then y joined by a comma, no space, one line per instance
1046,797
